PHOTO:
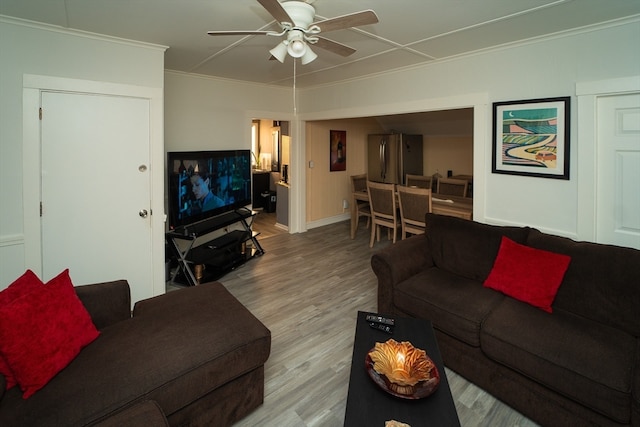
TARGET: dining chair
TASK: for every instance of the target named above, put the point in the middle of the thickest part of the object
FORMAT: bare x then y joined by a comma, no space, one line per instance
384,209
359,202
414,203
420,181
452,187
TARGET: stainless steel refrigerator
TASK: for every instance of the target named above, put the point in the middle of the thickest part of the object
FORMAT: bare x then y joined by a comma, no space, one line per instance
392,156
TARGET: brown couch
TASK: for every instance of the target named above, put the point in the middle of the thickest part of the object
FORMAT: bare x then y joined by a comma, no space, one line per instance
577,366
191,357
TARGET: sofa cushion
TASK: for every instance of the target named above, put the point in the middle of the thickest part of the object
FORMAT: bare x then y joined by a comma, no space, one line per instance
601,282
527,274
467,248
179,346
584,360
44,330
21,286
147,414
456,305
107,302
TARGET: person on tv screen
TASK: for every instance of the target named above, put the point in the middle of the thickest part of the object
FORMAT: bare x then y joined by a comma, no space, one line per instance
201,188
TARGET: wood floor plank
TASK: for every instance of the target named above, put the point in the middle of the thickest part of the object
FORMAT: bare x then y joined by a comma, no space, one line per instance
307,289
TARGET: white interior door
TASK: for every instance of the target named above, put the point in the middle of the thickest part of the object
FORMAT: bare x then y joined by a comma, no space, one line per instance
618,170
95,182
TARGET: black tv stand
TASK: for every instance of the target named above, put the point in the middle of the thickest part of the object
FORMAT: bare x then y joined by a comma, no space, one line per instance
215,257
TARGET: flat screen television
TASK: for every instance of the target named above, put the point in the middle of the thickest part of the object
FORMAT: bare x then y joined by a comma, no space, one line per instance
204,184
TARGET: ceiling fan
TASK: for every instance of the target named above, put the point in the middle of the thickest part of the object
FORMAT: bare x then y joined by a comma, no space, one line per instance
296,20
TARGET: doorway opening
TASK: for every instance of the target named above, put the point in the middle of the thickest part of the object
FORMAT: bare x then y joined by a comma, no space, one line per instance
270,144
448,150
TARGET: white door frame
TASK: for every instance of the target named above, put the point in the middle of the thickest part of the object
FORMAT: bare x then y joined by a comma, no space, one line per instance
588,94
296,194
33,85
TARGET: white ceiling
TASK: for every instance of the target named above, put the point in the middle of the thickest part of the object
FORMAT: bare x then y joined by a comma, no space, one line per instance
410,32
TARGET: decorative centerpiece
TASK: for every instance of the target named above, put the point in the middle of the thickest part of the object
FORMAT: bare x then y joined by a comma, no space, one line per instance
402,370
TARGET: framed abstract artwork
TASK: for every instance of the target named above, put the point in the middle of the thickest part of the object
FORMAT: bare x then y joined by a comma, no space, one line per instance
337,150
531,137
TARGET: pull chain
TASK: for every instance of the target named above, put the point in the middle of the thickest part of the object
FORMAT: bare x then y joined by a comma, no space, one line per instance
295,110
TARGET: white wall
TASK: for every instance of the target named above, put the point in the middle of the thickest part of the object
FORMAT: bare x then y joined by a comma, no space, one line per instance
448,153
546,68
204,113
27,48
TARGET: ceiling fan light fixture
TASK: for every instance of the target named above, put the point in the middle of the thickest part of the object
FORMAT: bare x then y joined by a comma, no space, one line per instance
280,51
297,48
308,56
296,20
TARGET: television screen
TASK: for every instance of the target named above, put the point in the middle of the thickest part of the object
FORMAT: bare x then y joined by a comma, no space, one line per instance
203,184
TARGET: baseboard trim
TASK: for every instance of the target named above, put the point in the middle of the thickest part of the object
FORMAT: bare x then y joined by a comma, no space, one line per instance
327,221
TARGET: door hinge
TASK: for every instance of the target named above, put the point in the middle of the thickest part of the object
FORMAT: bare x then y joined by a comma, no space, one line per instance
40,113
41,209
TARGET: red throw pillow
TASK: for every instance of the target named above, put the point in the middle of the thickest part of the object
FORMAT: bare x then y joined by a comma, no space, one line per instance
43,331
527,274
21,286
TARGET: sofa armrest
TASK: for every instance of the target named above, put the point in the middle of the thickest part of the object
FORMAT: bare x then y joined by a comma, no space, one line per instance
396,263
107,303
635,388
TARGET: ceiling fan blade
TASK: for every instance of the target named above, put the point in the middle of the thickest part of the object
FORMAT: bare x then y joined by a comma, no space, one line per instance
239,33
356,19
276,10
335,47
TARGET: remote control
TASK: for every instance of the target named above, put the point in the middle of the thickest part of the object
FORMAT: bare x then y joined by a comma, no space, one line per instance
380,319
379,326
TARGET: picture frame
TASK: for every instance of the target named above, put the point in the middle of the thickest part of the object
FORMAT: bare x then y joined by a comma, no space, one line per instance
531,137
337,150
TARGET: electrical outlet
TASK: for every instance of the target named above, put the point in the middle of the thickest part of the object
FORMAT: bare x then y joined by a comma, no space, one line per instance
345,204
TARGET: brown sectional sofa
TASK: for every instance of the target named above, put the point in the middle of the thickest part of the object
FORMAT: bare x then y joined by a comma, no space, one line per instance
577,366
191,357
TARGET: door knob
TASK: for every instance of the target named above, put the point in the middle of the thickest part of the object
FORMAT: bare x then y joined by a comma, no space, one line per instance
143,213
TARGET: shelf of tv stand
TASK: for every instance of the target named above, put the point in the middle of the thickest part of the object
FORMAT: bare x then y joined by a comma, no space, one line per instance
212,224
217,256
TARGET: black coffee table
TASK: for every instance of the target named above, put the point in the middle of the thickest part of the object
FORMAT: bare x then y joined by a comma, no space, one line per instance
369,405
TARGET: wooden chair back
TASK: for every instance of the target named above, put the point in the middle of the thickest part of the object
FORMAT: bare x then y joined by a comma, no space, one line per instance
420,181
452,187
414,203
384,209
359,182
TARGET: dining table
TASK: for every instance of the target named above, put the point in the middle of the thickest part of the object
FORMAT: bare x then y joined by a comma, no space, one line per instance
445,204
442,204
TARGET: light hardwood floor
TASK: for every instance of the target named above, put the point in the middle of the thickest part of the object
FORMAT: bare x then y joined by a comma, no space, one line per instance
307,289
265,224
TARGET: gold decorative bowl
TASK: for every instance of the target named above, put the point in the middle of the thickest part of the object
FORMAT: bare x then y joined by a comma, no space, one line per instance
402,370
